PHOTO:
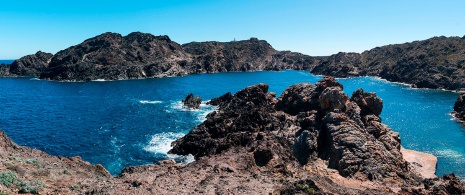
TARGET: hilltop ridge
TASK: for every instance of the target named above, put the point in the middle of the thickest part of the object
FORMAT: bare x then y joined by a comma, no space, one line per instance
437,63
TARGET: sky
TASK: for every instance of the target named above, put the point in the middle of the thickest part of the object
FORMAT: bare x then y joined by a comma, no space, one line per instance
313,27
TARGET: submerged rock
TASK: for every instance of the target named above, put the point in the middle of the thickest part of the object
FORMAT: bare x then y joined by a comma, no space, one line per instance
192,102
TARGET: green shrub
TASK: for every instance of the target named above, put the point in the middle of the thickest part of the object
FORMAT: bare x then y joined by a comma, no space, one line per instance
24,187
8,163
18,159
67,172
8,178
33,162
39,183
75,187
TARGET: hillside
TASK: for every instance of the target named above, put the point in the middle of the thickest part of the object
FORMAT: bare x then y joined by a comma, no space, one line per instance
438,62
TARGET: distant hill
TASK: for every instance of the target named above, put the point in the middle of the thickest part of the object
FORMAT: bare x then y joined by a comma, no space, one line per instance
111,56
438,62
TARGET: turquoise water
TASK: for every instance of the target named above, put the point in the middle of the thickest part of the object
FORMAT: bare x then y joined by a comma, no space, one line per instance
123,123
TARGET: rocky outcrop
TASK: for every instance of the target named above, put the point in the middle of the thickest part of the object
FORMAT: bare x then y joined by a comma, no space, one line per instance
222,100
111,56
30,65
4,70
459,107
192,102
307,124
26,170
438,62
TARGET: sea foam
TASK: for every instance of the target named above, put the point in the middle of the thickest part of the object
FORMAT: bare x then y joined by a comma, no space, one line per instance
161,144
150,102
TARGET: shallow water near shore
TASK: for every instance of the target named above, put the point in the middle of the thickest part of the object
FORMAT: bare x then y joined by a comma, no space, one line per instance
123,123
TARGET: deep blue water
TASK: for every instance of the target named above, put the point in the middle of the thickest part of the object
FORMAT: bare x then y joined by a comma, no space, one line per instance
122,123
6,61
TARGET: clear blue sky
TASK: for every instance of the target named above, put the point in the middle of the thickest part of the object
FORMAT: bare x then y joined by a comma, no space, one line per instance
314,27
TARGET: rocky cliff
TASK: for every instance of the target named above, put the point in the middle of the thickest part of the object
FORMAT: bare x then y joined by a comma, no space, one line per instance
30,65
313,139
459,108
111,56
437,62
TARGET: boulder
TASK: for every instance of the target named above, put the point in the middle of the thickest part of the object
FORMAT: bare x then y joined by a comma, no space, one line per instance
459,107
192,102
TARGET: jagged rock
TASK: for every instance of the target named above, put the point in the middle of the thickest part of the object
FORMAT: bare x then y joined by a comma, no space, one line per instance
310,122
298,98
248,113
30,65
369,103
192,102
4,70
459,107
222,100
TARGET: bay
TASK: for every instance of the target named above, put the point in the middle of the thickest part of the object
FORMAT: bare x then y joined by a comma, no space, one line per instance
126,123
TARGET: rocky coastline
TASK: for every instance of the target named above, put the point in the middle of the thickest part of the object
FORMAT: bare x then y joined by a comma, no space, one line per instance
437,63
313,139
459,108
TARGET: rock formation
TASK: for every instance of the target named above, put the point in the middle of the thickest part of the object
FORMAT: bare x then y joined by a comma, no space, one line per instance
222,100
30,65
459,107
192,102
438,62
313,139
111,56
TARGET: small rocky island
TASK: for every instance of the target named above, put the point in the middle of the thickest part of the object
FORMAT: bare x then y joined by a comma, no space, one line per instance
192,102
313,139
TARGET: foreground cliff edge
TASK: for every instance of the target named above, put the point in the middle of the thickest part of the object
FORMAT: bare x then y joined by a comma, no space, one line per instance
311,139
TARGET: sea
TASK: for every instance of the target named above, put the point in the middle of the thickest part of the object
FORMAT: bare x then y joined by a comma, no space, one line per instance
133,122
6,61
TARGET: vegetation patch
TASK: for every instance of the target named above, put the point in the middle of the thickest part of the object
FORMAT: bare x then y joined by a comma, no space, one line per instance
8,178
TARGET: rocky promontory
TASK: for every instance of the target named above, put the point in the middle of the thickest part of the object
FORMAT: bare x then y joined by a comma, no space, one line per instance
313,139
459,108
30,65
438,62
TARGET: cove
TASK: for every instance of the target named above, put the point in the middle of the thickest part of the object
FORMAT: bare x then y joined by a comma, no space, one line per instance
123,123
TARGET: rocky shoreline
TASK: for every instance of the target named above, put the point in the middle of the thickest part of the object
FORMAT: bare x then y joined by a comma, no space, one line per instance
437,63
313,139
